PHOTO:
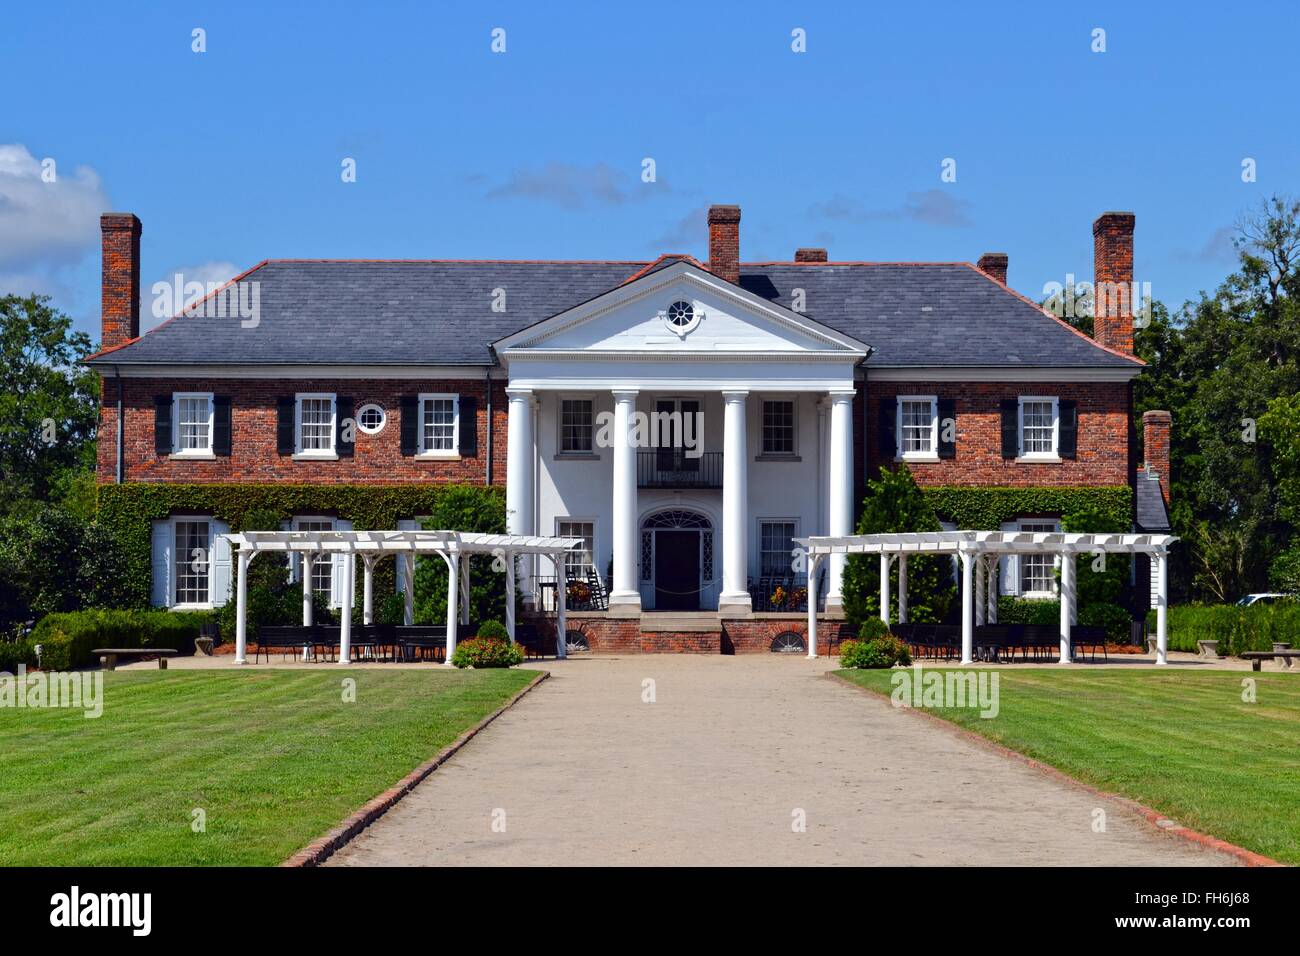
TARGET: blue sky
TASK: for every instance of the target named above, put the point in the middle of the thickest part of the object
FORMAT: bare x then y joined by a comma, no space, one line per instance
234,155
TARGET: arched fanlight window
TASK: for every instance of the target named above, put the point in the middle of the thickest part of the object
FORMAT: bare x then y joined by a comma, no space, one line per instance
677,519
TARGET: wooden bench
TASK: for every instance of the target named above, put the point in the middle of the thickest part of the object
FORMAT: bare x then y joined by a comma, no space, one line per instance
108,655
1257,658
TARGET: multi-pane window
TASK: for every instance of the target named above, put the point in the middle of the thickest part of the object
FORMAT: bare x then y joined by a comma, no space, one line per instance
575,425
316,424
775,547
1038,571
322,568
917,424
193,562
1038,426
438,423
193,414
578,561
778,427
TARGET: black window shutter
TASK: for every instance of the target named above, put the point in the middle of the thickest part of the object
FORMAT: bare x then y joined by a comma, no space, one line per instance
1068,437
1010,428
410,426
221,425
162,424
947,427
284,424
886,444
468,434
345,427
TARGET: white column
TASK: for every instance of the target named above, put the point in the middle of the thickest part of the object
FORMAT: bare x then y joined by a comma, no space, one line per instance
813,561
510,596
1162,607
1067,603
734,599
368,590
624,598
840,497
408,588
345,612
967,608
464,591
241,608
453,593
884,587
992,587
979,590
902,589
306,589
561,605
519,476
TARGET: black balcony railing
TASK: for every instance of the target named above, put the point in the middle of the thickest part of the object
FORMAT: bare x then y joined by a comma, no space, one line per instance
674,468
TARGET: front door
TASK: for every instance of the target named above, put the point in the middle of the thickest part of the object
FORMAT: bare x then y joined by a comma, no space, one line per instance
677,570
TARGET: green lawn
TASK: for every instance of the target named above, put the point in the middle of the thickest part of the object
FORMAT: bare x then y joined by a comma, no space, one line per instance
1184,743
274,758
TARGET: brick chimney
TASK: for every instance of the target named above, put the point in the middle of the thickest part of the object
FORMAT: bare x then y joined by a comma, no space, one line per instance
121,279
1112,253
1156,426
807,254
724,242
994,265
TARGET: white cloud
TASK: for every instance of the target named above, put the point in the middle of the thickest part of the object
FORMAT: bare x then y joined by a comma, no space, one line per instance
46,224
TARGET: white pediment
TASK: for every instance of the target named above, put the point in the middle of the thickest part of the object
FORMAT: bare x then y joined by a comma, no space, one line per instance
719,318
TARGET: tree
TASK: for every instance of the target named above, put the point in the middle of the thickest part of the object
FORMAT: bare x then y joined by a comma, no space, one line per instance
894,503
48,404
463,508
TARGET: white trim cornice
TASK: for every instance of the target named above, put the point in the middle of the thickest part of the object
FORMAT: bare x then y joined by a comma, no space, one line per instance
308,372
672,355
1017,373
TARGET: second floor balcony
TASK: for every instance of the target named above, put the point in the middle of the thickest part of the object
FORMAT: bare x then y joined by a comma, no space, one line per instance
675,468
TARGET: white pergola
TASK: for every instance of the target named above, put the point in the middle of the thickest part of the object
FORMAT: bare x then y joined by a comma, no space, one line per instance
979,553
373,546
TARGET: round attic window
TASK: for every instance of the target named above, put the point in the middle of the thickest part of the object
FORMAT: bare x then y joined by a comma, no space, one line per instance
371,419
682,317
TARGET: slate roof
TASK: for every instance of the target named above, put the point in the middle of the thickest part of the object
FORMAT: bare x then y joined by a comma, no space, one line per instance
342,312
1151,514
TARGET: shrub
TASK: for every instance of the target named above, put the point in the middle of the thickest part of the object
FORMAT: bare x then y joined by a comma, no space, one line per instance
391,610
877,653
1237,629
486,652
872,628
493,629
68,638
13,653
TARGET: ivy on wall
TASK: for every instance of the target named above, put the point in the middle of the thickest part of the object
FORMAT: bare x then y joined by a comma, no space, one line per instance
129,509
985,509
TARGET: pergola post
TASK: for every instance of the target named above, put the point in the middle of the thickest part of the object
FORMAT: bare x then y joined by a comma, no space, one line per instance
408,589
1162,606
884,587
306,589
368,590
991,585
813,561
902,589
510,595
967,608
980,602
1067,604
464,590
241,607
345,612
561,605
453,593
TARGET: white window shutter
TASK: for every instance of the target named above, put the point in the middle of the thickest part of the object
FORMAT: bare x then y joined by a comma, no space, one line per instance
1010,566
160,593
220,562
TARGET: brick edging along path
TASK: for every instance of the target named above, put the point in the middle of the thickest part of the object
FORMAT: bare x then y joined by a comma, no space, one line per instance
315,852
1154,817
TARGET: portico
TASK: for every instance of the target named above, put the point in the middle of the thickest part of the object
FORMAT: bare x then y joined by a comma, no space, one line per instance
758,401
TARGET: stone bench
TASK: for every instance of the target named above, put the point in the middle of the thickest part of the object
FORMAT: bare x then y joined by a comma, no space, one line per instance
108,655
1257,658
1208,649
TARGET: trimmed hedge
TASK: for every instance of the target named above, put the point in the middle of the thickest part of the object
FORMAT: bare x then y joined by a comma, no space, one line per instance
69,638
986,508
1237,629
129,509
13,653
1113,618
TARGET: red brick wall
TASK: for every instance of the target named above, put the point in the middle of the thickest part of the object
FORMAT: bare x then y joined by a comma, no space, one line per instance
1102,454
610,635
253,458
